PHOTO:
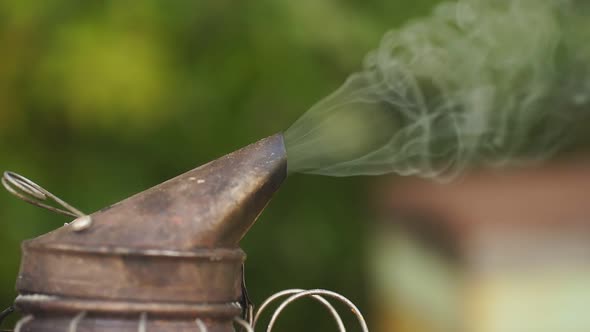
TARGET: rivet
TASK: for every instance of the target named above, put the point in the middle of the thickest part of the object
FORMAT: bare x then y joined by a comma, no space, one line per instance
81,223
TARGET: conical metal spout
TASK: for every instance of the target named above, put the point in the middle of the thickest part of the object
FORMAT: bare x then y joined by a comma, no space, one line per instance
211,206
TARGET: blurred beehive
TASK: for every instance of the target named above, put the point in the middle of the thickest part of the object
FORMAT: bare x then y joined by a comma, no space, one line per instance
493,251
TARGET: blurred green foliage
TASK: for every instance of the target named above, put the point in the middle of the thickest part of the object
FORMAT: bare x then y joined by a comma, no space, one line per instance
102,99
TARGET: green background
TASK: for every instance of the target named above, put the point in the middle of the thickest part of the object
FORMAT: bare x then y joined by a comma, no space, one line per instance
102,99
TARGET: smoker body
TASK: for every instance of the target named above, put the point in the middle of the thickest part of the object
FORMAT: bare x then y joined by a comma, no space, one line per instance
116,291
166,259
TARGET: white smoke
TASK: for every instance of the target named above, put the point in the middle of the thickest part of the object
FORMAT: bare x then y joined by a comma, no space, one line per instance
477,81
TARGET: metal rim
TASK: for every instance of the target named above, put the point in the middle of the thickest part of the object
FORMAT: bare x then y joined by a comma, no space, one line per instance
42,303
213,253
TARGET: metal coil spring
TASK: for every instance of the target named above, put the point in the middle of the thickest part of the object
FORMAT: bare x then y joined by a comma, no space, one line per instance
319,295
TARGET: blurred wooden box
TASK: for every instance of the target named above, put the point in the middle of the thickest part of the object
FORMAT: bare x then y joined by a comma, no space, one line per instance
492,251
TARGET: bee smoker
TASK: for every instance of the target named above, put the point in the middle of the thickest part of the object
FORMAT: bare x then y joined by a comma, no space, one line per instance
166,259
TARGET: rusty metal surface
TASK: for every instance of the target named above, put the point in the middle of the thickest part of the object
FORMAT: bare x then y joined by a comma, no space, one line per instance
211,206
170,251
212,275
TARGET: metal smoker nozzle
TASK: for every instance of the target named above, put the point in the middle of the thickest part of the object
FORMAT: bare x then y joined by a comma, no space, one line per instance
169,253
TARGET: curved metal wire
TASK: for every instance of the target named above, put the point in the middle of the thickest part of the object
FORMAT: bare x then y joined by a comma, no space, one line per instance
142,327
201,325
19,325
320,299
250,314
244,324
6,312
313,292
75,321
34,194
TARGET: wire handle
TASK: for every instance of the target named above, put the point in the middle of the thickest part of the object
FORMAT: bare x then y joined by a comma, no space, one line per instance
6,312
34,194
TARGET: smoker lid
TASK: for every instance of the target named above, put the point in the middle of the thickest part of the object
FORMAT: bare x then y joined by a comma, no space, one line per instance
213,205
174,243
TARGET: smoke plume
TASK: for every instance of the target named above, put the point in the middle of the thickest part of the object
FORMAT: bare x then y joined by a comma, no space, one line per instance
476,82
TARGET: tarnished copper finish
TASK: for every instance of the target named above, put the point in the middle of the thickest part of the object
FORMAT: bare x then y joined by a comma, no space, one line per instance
169,253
